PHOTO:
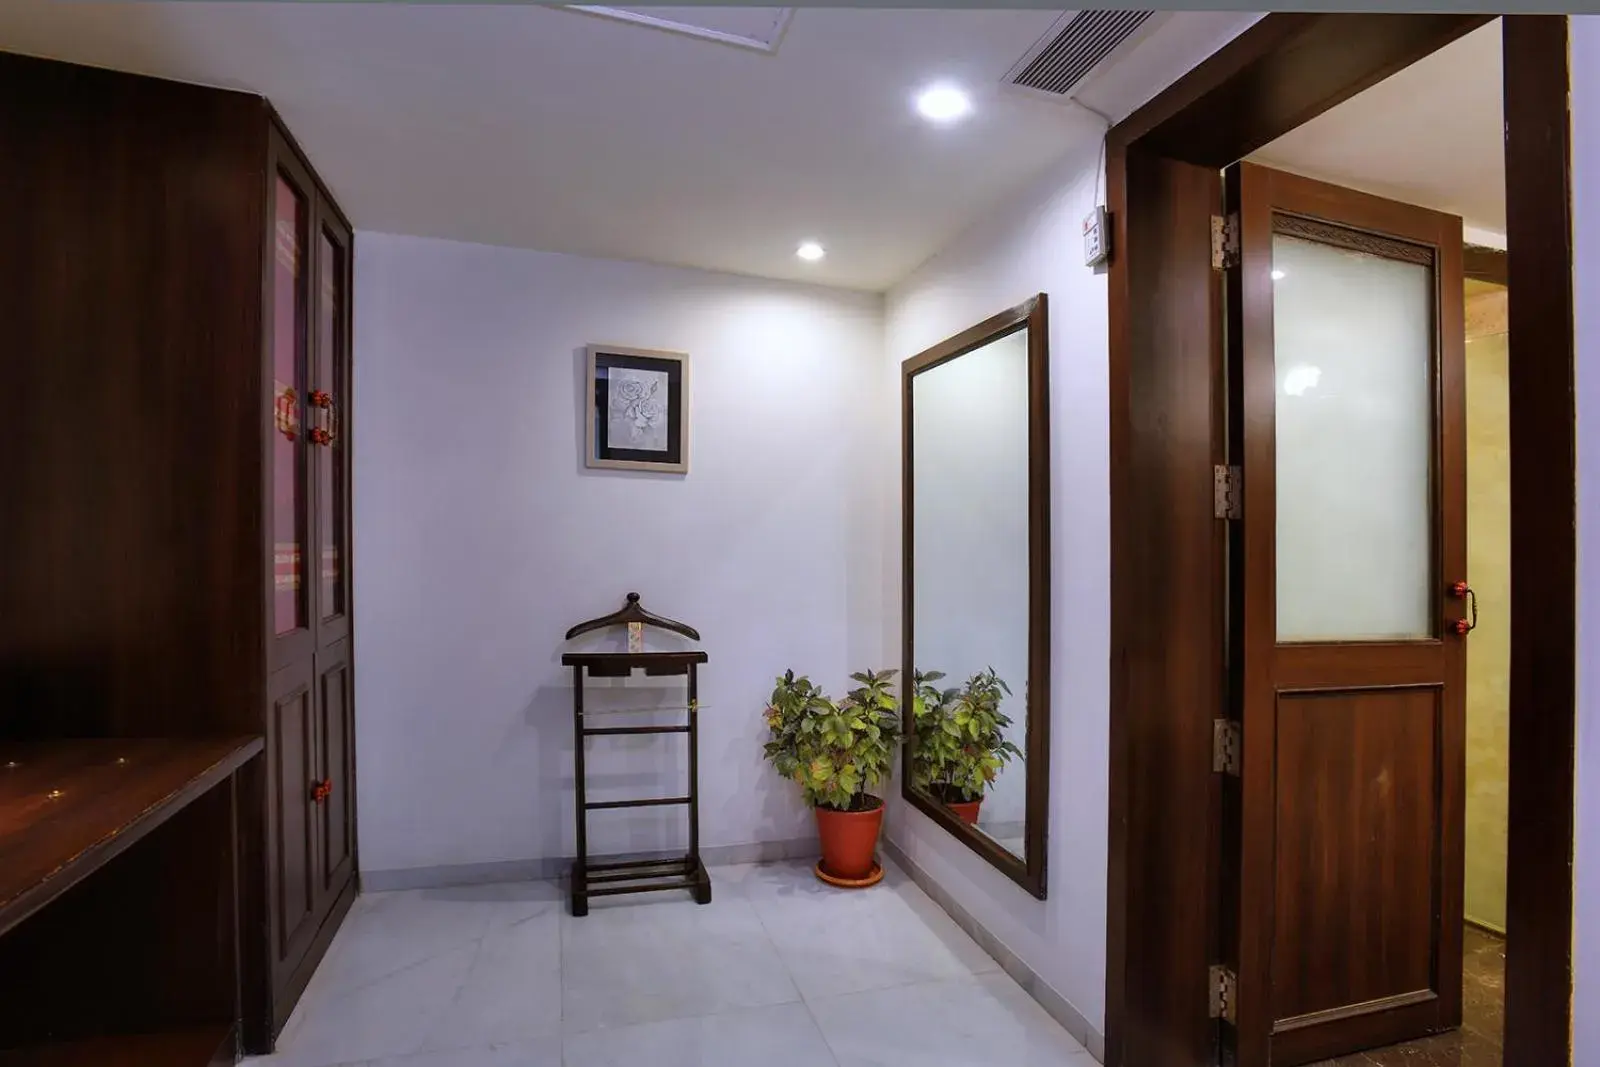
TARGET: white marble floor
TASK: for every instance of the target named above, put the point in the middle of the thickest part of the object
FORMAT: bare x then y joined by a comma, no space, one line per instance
779,971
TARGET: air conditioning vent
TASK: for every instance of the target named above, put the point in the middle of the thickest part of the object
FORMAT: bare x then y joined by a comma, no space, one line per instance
1060,64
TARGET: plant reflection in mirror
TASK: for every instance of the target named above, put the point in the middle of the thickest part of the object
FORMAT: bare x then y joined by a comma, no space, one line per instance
961,743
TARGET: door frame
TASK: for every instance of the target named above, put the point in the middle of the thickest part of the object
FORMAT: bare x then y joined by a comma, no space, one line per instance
1168,591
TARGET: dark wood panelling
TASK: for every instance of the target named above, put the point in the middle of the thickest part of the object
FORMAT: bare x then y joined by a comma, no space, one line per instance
289,512
1478,1042
1332,665
1278,75
1357,810
288,994
1281,922
1281,73
137,293
69,807
212,1045
137,206
1544,660
252,797
336,813
144,944
330,373
295,849
1166,554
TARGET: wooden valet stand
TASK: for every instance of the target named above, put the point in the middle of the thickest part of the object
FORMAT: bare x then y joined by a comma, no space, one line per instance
635,876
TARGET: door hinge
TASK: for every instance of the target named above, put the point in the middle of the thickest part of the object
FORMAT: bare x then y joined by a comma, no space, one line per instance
1224,993
1224,241
1227,744
1226,492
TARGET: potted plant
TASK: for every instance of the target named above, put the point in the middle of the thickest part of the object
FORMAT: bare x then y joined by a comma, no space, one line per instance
961,742
836,751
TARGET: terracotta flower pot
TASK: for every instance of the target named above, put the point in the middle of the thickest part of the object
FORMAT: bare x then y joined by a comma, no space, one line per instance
849,839
966,810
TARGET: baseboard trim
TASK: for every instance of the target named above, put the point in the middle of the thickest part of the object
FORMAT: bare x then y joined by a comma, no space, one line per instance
1486,927
554,868
1055,1005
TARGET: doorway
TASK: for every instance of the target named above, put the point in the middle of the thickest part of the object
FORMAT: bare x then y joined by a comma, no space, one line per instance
1385,697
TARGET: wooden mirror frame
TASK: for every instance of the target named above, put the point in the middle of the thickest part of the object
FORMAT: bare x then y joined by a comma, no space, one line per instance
1028,871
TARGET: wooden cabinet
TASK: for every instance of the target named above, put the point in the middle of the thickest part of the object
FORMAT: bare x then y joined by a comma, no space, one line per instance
178,333
335,816
306,344
294,893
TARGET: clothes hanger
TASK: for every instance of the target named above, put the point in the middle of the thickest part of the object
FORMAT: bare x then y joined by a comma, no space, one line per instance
631,612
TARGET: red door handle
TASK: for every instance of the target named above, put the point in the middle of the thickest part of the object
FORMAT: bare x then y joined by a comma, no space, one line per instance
1463,591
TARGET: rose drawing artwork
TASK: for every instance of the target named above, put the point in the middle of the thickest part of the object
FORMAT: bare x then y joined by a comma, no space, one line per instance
637,409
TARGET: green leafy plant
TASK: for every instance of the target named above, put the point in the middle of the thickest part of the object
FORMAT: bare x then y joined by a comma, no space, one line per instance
836,751
961,743
932,748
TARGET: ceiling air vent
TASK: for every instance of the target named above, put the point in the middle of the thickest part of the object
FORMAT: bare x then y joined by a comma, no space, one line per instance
1067,55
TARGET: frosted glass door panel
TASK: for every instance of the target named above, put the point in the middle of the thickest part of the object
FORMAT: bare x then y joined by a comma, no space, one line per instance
1353,354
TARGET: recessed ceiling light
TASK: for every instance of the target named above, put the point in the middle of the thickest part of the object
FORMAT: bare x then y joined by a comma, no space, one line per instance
943,103
809,251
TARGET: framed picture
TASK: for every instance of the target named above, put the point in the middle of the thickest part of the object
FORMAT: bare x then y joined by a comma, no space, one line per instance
638,410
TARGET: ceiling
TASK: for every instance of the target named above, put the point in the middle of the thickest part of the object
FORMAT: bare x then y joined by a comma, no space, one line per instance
565,131
1432,135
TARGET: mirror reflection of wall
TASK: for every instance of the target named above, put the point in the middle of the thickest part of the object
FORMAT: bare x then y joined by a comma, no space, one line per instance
970,569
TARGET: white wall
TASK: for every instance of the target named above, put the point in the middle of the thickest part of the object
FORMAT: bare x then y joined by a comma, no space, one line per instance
1586,292
482,537
1033,245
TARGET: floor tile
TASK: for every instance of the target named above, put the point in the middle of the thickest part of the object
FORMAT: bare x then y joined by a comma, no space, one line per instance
846,940
513,990
424,970
501,976
388,1016
545,1052
644,960
780,1036
386,932
961,1023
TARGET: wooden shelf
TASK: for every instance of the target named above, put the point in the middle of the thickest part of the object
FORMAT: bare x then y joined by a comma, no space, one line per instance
68,807
622,664
199,1047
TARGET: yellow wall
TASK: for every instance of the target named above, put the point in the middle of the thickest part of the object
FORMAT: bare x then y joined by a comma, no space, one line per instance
1489,571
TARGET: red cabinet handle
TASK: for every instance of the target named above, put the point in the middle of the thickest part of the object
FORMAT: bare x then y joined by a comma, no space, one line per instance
328,432
1463,591
285,416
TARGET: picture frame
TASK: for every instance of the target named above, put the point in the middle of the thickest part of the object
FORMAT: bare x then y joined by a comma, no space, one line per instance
637,410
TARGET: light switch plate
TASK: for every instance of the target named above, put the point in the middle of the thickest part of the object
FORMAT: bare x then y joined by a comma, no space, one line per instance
1096,237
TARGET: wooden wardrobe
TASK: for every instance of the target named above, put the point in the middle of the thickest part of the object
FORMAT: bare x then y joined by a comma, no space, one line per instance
175,331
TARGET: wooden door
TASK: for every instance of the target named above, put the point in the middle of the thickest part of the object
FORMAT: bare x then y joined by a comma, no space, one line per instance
336,808
1346,419
291,209
329,434
295,854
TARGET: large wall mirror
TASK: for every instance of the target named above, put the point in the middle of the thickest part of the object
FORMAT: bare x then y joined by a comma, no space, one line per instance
976,623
